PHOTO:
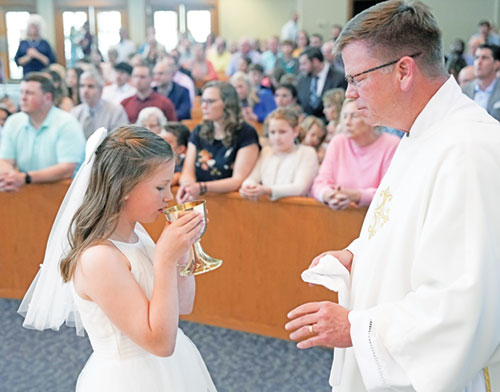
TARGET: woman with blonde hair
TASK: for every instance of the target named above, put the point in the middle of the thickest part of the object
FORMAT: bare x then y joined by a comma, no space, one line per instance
355,162
222,151
255,106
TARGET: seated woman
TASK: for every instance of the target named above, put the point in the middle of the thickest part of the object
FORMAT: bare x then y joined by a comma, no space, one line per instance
284,168
201,69
332,105
286,97
61,99
312,134
72,80
302,42
177,135
222,151
254,106
153,119
355,162
244,63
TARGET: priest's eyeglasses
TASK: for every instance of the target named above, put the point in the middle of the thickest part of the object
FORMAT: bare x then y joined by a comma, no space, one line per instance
350,78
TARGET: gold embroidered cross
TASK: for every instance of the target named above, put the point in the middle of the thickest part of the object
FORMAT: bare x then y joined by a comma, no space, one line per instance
381,213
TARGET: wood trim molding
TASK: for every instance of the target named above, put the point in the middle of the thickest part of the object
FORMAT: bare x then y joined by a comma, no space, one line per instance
58,18
87,3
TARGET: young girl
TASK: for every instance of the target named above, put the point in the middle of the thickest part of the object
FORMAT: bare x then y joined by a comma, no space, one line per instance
125,291
313,134
284,168
332,105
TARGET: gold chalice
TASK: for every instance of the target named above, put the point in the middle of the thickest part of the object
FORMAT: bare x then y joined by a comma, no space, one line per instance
199,262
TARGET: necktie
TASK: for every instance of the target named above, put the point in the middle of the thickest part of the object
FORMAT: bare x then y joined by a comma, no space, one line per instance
313,93
88,124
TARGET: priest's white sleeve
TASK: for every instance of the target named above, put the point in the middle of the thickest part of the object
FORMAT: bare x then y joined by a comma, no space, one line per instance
377,366
353,246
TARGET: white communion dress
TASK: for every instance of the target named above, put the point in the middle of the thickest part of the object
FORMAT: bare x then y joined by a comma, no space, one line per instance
117,363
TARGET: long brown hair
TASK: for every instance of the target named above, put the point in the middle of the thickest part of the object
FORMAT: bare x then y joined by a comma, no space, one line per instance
232,114
128,155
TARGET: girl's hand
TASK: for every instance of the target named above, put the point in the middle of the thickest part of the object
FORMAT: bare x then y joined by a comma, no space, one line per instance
178,236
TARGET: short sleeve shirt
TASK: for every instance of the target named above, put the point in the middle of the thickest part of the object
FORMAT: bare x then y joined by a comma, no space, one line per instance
214,161
59,140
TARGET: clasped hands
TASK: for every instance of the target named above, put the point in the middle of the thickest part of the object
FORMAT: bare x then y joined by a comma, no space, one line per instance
252,191
33,53
11,181
339,198
322,323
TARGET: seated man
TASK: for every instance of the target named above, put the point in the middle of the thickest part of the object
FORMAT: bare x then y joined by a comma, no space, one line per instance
163,75
95,112
485,89
121,88
42,143
180,77
316,78
145,97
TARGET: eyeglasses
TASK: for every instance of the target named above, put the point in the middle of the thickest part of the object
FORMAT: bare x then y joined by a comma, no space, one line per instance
208,101
350,78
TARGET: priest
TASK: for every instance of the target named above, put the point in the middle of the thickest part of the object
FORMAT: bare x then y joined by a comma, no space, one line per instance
424,303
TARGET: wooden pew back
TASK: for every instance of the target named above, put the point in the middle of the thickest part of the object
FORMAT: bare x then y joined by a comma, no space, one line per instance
265,246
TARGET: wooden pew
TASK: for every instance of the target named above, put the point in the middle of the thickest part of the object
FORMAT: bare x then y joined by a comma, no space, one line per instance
265,246
196,109
259,127
191,124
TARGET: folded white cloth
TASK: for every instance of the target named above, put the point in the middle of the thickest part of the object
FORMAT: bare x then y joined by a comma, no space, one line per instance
332,274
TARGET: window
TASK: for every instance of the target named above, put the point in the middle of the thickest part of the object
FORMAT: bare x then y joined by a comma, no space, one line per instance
16,30
108,27
198,24
165,24
72,26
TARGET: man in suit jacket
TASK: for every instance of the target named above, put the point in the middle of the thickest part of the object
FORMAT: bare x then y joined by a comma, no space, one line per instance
485,89
316,78
163,74
95,112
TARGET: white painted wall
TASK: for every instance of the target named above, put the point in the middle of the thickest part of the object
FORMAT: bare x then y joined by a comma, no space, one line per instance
262,18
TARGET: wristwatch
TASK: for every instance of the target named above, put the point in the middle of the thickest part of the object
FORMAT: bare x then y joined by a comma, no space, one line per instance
27,178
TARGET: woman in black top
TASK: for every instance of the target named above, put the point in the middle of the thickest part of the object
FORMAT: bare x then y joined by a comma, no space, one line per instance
223,150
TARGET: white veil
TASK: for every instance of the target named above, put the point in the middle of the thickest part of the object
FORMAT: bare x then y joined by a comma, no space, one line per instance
49,301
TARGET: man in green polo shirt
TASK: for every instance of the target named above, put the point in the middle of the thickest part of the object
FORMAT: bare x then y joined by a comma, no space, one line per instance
42,143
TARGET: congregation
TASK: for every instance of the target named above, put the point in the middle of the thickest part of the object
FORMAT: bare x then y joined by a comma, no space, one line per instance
265,118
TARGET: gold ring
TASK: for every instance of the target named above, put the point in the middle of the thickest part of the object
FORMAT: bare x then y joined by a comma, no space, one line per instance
311,329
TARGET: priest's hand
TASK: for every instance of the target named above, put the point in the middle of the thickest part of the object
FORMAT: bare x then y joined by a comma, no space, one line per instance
344,256
320,324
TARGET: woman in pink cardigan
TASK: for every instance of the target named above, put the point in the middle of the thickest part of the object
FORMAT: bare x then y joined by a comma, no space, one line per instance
354,163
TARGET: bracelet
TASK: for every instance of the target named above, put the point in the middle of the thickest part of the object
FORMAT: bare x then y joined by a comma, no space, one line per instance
203,188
